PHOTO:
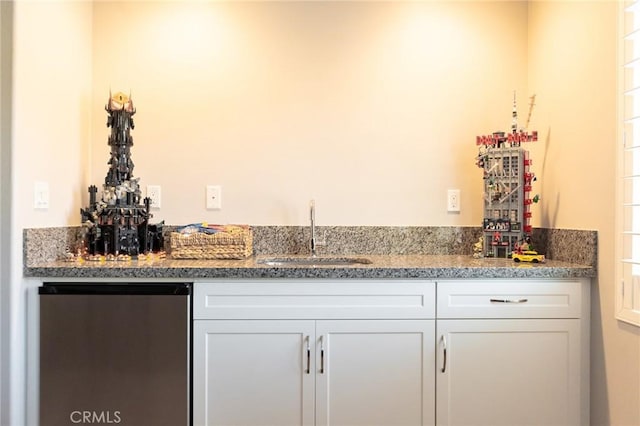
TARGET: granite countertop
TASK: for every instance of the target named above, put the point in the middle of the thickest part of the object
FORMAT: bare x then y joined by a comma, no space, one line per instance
382,266
395,252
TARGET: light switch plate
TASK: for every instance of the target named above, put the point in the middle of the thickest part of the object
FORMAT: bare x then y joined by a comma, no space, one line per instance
41,195
214,197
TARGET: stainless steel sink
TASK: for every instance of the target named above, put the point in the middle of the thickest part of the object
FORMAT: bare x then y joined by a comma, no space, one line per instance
314,261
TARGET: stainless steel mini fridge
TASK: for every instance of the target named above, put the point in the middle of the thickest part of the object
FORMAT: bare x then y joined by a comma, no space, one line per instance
115,354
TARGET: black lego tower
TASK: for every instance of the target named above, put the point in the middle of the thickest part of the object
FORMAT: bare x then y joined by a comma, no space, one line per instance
118,226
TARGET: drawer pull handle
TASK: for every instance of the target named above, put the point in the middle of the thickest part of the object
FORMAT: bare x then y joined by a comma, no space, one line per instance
308,370
444,353
508,300
321,354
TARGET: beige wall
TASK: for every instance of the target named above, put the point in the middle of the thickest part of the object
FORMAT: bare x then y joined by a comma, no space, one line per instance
371,108
52,107
572,68
6,24
51,118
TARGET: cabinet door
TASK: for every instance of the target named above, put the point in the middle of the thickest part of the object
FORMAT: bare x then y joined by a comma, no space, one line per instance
253,373
508,372
375,372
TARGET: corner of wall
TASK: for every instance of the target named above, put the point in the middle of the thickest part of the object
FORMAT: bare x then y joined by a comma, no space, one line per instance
6,78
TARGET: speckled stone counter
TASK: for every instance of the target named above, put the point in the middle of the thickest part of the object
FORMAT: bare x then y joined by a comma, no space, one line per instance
382,266
395,252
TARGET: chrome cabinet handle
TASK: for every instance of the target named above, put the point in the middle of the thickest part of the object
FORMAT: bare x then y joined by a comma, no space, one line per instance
444,353
308,370
508,300
321,354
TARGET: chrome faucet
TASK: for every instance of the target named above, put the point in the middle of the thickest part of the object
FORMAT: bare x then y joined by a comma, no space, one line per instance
312,217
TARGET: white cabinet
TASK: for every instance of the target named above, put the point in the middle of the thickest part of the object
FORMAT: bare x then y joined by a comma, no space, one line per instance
375,372
518,355
284,359
373,352
253,373
508,372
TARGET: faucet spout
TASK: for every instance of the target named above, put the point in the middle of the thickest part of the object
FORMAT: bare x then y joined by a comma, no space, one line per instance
312,217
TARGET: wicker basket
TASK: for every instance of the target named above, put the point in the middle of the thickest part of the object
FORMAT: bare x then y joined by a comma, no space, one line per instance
235,242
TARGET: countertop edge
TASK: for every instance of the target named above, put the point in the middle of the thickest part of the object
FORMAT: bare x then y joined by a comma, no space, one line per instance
391,267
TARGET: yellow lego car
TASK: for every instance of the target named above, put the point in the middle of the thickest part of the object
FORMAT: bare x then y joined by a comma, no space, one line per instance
528,256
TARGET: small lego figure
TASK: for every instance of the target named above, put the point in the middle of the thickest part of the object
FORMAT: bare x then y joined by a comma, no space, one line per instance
497,237
477,248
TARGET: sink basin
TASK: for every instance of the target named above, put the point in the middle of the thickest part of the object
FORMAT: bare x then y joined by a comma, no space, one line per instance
314,261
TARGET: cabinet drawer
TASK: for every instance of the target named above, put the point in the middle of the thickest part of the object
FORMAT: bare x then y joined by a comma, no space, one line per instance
509,299
314,299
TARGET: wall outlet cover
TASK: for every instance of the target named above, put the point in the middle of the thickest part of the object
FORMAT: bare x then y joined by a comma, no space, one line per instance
155,193
453,200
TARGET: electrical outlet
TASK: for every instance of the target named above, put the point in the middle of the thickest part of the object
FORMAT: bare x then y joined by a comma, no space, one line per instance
155,193
41,195
453,200
214,197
